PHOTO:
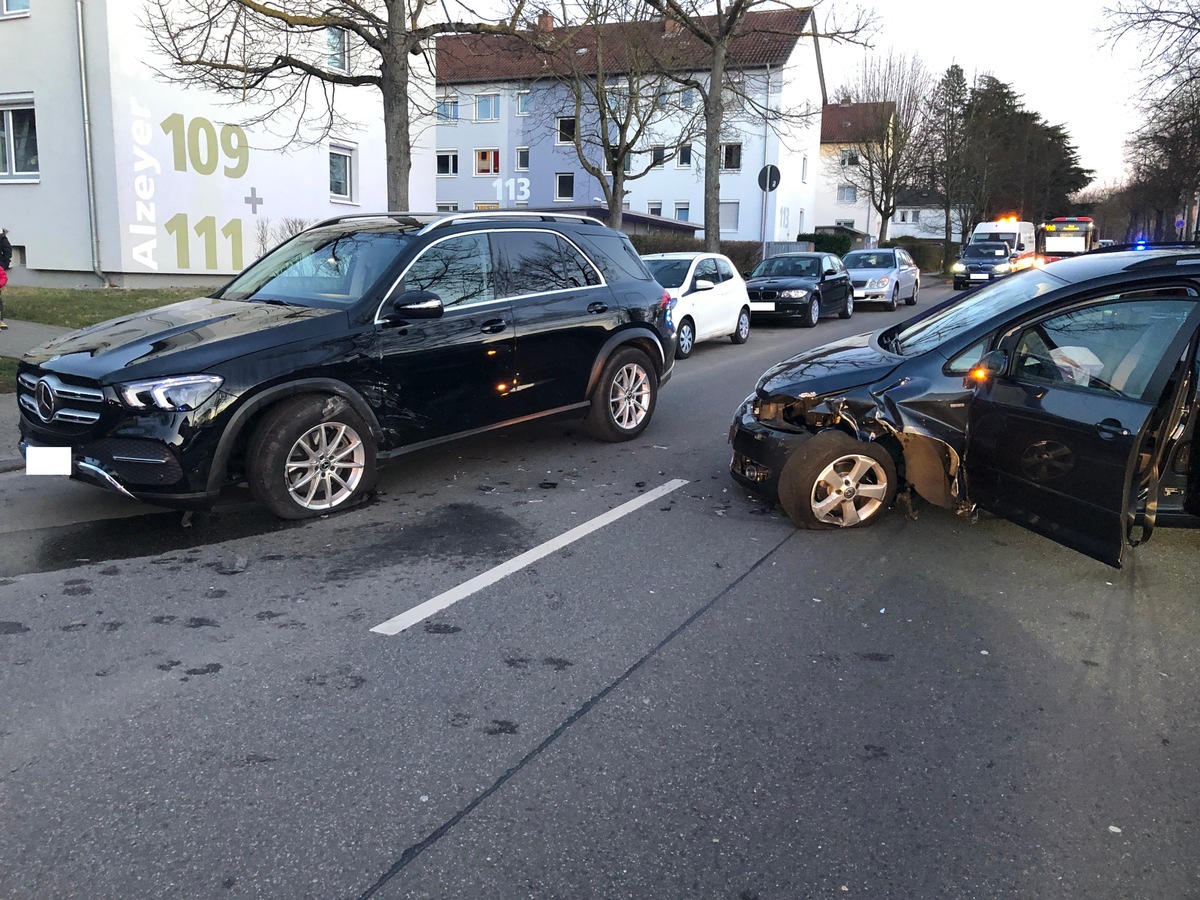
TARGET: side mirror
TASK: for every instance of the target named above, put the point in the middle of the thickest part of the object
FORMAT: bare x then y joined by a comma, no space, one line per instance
829,272
991,364
416,305
1020,248
703,284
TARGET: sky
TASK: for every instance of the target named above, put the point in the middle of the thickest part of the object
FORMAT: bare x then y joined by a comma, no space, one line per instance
1048,50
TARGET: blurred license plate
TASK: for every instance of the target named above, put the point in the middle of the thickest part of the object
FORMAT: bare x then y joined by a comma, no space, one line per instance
48,461
979,277
762,306
858,295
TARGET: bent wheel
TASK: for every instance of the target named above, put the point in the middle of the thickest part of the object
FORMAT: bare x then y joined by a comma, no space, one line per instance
310,456
624,399
835,481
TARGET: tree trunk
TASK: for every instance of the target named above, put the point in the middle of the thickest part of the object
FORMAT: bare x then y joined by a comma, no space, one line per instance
947,237
394,69
616,206
714,114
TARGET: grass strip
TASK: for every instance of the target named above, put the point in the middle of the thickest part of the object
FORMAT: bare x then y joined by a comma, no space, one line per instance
78,308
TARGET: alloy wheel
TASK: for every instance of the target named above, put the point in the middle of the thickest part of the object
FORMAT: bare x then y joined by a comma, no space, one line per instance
629,399
325,466
849,491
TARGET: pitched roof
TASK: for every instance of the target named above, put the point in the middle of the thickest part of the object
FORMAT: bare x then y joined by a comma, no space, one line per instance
851,123
766,38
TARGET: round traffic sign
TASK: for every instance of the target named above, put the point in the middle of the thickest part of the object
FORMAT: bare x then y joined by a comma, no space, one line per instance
768,178
1179,223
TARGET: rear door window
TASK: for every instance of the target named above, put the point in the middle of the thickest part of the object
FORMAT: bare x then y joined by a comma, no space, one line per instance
537,262
459,270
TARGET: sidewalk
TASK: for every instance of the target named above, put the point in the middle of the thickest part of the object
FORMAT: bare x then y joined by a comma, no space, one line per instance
19,337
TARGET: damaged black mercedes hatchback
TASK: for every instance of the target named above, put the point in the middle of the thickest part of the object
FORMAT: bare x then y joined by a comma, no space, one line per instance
1061,398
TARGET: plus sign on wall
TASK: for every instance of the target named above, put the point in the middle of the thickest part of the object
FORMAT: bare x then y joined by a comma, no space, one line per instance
254,201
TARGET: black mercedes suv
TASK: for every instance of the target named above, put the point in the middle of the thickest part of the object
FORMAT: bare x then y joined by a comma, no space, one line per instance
360,338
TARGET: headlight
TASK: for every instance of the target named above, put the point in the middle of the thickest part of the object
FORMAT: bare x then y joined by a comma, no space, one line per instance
793,295
879,282
958,267
1003,267
183,392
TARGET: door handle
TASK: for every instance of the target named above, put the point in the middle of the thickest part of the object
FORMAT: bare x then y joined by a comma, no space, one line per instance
1111,428
597,308
494,326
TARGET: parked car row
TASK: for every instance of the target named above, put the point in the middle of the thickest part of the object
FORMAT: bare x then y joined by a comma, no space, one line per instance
1064,398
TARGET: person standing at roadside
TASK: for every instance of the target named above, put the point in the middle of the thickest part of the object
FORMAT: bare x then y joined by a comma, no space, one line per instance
5,264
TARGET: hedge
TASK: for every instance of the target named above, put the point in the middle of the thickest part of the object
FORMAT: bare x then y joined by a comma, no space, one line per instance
744,255
926,254
828,243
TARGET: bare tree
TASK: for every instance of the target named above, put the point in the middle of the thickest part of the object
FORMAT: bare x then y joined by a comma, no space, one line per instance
1169,32
289,58
630,116
887,146
720,32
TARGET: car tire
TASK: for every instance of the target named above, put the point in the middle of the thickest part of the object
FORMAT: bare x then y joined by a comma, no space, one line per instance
742,333
685,339
810,315
625,396
890,305
912,300
310,456
847,309
828,466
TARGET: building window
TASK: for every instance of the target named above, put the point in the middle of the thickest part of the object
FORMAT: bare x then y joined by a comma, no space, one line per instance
564,186
521,159
729,215
522,103
447,207
16,6
341,173
338,46
688,99
654,207
659,156
684,158
565,126
849,157
626,164
804,170
487,162
487,205
447,108
844,223
731,157
18,142
682,211
487,108
447,162
846,193
914,216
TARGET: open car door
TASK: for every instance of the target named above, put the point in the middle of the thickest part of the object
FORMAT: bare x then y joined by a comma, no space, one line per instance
1070,416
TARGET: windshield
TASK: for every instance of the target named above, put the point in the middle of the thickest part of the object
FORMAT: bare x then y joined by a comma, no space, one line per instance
327,268
1008,237
986,303
670,273
866,260
985,251
788,267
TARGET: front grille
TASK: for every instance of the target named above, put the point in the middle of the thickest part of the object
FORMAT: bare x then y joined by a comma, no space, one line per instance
68,407
137,462
859,282
764,295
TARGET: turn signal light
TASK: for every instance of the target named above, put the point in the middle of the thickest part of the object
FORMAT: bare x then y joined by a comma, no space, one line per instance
978,373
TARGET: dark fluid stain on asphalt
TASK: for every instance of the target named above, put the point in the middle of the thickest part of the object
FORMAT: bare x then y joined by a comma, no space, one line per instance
215,594
201,622
454,531
874,752
459,720
210,669
876,657
13,628
228,883
257,759
77,591
501,726
111,626
517,662
557,663
162,620
74,626
66,546
441,628
169,665
266,615
1090,662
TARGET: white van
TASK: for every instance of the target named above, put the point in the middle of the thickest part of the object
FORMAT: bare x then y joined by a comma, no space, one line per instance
1020,237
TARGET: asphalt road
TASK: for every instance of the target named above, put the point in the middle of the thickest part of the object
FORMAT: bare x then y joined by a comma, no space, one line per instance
692,700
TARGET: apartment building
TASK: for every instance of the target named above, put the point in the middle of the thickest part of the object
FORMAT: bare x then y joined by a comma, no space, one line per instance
110,174
506,124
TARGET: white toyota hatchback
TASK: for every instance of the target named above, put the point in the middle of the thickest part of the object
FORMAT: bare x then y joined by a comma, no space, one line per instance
710,297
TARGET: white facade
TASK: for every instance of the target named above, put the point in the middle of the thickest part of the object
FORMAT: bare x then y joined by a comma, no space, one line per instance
839,202
182,192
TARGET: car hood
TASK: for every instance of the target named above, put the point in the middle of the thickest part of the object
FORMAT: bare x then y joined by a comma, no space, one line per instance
829,368
192,335
779,283
867,274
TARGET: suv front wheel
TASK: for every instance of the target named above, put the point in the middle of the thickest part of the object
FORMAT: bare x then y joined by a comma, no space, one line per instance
310,456
624,399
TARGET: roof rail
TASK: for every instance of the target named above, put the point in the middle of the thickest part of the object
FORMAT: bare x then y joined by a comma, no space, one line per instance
404,218
486,214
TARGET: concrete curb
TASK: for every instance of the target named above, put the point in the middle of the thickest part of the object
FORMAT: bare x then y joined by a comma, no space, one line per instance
11,465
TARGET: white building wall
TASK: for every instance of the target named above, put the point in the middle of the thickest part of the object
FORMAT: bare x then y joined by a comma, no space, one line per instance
184,192
830,211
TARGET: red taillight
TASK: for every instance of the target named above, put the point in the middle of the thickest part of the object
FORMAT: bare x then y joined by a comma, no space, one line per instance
665,303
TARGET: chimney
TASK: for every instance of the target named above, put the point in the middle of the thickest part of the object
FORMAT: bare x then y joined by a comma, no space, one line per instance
545,21
670,26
